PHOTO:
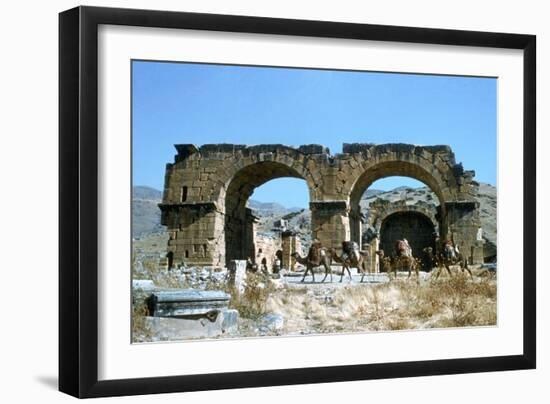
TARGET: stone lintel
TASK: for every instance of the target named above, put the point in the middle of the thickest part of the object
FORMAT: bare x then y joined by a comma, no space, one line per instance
207,206
288,233
328,205
462,204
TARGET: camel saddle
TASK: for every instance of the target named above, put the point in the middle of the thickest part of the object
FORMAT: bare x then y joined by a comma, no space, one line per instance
350,249
315,253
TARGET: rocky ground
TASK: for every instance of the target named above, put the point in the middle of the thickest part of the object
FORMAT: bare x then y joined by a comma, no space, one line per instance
285,306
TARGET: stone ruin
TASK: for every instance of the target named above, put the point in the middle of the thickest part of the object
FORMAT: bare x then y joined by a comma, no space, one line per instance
388,221
206,190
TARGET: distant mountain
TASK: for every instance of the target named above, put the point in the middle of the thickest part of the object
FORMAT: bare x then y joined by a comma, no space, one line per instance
145,211
269,208
371,192
402,188
148,193
487,197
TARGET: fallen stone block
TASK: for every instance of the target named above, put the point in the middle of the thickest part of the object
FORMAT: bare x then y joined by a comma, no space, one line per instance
171,329
187,302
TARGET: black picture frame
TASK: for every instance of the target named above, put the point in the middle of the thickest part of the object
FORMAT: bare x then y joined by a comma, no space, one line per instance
78,196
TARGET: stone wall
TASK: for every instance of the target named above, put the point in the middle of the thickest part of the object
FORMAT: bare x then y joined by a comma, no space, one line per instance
206,189
267,247
290,245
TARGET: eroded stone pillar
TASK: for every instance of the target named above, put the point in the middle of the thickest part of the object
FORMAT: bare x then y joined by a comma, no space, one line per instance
288,247
240,235
330,223
463,224
355,223
374,261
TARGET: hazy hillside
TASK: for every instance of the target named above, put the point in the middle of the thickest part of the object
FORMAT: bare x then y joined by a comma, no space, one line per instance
269,208
145,211
147,193
487,198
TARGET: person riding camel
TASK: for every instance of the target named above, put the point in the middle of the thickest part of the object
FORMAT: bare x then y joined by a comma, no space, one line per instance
449,249
408,249
402,248
350,249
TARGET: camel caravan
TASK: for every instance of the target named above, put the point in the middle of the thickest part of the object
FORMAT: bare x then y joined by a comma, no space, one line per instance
402,260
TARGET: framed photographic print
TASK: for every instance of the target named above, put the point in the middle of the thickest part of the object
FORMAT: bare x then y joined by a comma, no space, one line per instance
250,201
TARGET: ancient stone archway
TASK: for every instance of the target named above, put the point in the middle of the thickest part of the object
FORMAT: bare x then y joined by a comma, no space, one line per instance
239,221
388,221
211,224
206,189
380,209
436,167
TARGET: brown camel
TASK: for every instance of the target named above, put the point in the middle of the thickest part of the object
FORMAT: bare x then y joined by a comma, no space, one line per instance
430,261
385,262
448,255
355,259
316,257
398,262
444,261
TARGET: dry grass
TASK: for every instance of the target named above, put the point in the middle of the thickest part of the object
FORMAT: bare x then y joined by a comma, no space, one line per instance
400,305
141,332
252,302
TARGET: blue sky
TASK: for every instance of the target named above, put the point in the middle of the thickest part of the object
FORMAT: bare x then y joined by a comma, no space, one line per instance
197,103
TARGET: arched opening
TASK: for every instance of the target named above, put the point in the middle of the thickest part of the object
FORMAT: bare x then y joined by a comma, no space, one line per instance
397,180
399,207
262,201
417,228
170,258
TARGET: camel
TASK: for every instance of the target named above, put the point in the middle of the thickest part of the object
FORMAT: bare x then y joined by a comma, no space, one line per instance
355,259
316,257
404,261
450,255
385,262
430,261
445,259
392,264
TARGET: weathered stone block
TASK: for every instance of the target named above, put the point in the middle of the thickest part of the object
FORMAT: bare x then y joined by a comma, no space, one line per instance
237,274
173,329
187,302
